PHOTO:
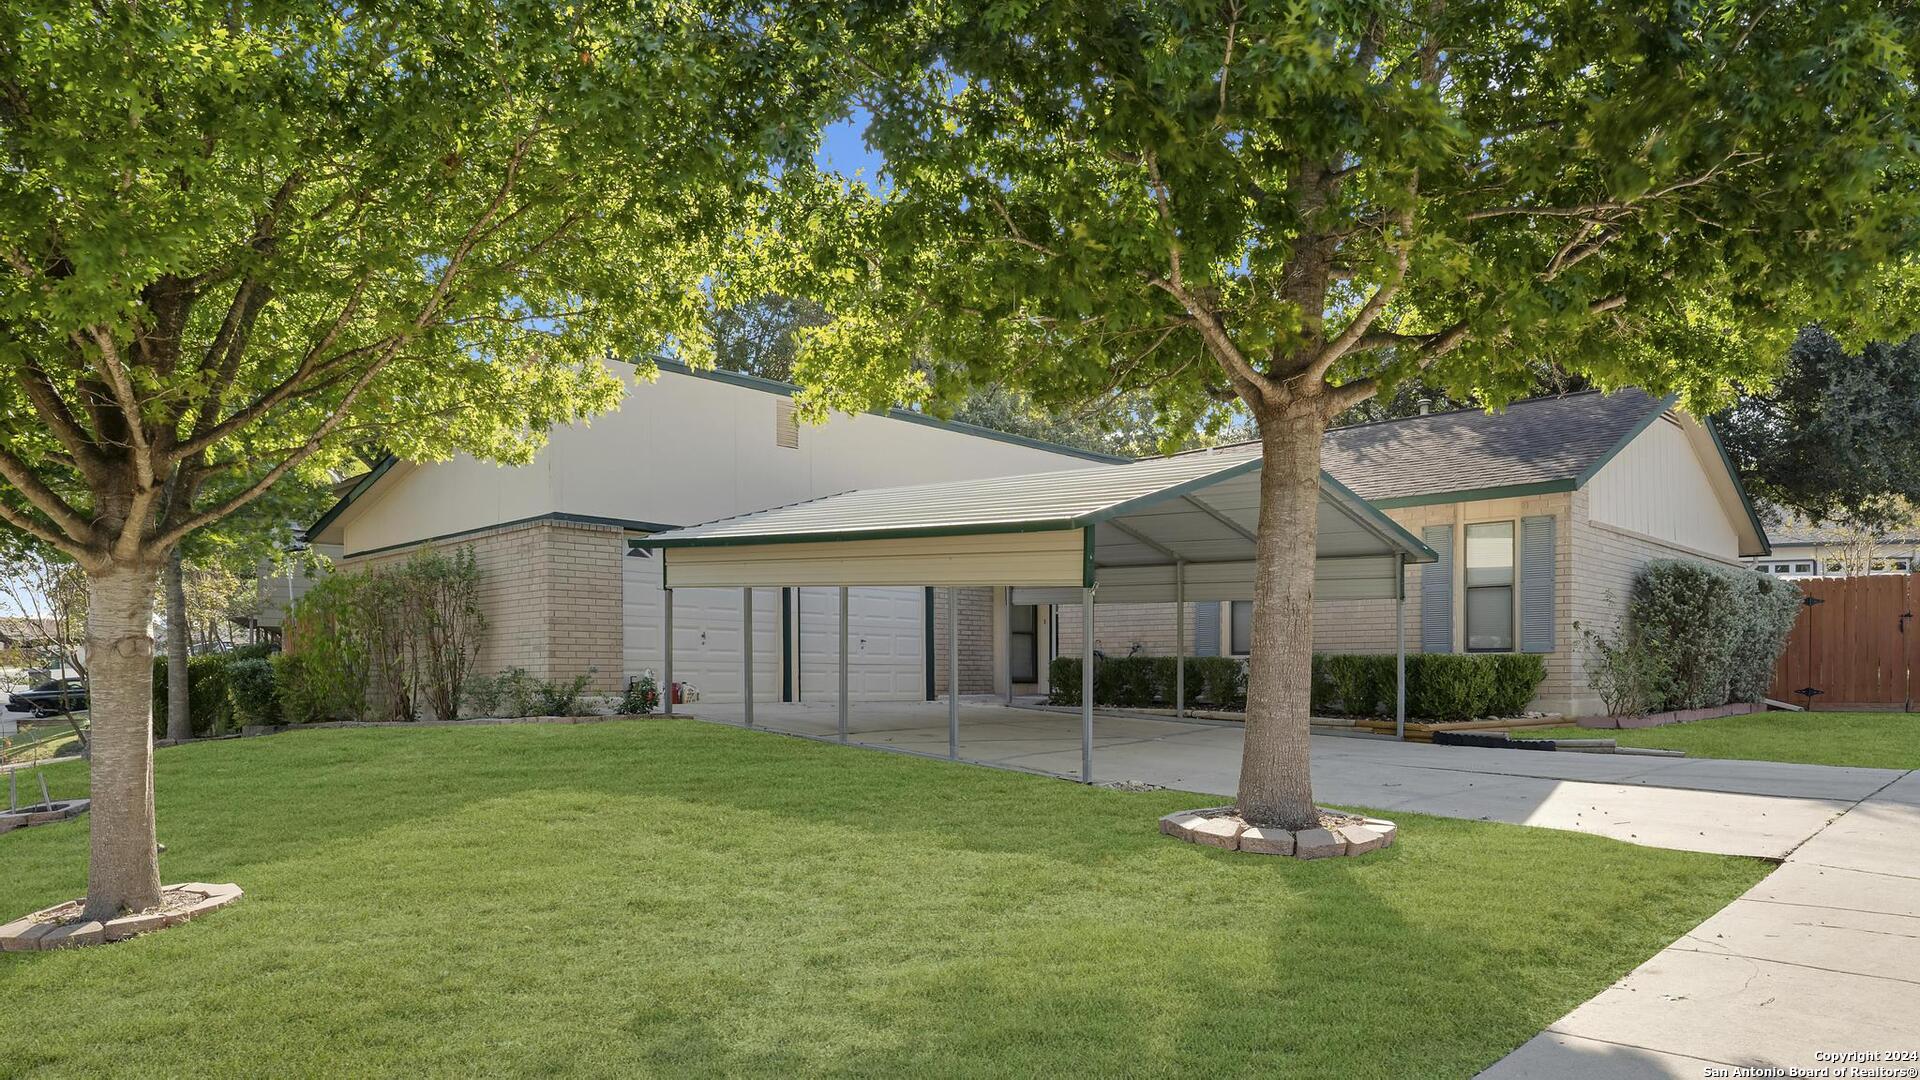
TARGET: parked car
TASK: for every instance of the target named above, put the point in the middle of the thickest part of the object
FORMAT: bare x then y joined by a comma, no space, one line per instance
51,698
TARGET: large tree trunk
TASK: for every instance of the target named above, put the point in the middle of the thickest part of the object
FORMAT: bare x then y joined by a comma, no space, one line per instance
179,703
123,873
1275,788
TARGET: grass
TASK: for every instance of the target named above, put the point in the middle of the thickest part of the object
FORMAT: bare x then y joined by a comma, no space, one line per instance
1884,740
40,740
669,897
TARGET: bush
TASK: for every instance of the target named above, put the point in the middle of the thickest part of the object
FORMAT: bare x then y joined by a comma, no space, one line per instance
1135,682
208,706
1516,678
563,699
252,691
302,698
378,644
1449,687
1362,684
1714,631
1219,681
1623,670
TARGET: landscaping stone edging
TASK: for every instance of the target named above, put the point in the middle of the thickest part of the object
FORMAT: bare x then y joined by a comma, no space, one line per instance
1221,827
41,931
1678,716
63,810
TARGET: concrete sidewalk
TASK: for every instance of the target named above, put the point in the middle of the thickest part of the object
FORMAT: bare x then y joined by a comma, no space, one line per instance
1822,957
1761,809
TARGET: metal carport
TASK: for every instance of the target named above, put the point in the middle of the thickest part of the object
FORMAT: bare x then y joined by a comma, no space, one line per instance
1168,530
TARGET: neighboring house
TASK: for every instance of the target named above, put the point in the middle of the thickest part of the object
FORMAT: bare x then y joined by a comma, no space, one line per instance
1542,515
565,593
1802,548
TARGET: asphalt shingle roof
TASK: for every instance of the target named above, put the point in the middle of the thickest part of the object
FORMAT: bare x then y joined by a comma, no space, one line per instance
1531,442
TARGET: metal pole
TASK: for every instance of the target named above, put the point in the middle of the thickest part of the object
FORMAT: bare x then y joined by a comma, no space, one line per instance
843,663
953,672
1086,684
1008,612
1179,639
666,667
1400,647
746,651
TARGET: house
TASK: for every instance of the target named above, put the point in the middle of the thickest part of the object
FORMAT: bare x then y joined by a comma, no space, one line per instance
565,592
1542,514
1803,548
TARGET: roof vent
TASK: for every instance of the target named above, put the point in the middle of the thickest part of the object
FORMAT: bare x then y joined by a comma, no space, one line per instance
1426,406
786,430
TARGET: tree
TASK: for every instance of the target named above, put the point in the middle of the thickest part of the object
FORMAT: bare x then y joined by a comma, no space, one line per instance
1834,437
1299,207
760,336
241,240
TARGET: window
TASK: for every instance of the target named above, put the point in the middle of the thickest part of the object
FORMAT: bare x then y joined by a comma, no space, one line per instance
1240,630
1025,661
1789,568
1490,587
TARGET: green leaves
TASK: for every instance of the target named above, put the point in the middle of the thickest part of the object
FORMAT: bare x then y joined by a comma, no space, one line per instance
290,228
1644,193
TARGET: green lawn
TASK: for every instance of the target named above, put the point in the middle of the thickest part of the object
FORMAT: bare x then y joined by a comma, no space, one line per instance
1885,740
669,897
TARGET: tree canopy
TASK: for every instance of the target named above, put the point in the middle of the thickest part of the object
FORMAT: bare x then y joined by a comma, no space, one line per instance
1187,198
1837,437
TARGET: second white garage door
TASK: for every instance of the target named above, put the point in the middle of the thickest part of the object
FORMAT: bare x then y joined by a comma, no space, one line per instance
886,631
886,627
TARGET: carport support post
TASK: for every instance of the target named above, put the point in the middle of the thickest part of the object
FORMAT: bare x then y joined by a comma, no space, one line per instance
746,650
666,667
1179,639
843,663
1086,685
953,672
1007,613
1400,647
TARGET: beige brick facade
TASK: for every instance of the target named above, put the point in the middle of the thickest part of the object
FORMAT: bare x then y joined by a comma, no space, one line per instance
551,592
977,646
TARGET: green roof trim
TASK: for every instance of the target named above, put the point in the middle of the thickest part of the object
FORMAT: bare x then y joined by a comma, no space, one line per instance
1740,486
1054,525
373,476
961,427
1508,491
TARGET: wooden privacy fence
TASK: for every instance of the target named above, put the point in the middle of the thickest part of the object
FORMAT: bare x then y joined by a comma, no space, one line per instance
1855,645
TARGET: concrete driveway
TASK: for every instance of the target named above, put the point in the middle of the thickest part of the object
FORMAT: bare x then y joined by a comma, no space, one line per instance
1762,809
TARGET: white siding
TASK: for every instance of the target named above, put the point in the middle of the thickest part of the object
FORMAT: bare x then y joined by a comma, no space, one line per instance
1659,488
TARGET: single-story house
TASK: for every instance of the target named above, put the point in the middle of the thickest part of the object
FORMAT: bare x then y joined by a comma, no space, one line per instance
1540,514
566,592
1803,548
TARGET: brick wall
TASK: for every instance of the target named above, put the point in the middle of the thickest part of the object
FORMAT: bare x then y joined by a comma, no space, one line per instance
1118,627
977,645
551,593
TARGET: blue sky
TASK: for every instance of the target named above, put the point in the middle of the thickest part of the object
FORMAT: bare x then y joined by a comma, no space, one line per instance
843,150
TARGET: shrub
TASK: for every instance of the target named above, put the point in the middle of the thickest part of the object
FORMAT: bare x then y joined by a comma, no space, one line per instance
1449,686
1363,684
483,695
1771,607
519,692
303,698
1516,678
642,696
1146,681
252,692
563,699
378,643
1219,681
1622,669
1714,631
207,702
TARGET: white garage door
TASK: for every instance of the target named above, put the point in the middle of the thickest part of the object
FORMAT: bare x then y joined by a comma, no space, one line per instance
706,634
886,659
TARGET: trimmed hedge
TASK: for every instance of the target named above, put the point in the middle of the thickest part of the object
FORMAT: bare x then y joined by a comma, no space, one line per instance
1713,632
208,703
1439,686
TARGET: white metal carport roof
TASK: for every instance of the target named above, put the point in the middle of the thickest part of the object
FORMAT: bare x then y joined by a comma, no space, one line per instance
1121,529
1168,530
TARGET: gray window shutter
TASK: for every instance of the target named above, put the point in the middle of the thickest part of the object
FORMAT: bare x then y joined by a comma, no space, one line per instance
1206,630
1436,592
1536,584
